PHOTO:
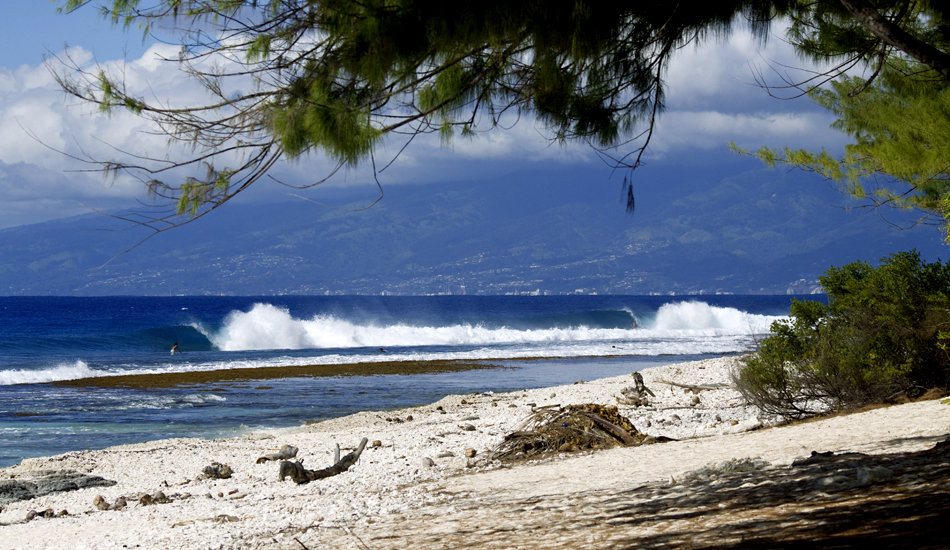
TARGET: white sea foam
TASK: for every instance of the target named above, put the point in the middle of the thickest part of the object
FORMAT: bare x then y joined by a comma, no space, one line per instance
197,398
702,316
267,327
61,372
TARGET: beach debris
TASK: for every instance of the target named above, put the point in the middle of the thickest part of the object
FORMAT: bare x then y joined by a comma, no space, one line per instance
636,395
286,452
47,513
220,518
158,498
732,466
470,453
258,436
296,471
217,471
631,397
570,428
101,503
696,388
45,482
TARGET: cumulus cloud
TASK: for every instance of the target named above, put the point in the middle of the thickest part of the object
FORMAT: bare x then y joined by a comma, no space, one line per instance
679,130
716,95
523,141
44,132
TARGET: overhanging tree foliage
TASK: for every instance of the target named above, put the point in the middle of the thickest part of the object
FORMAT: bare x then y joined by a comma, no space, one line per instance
339,76
901,153
898,116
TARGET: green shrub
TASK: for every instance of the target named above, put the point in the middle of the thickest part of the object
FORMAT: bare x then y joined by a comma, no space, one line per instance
883,336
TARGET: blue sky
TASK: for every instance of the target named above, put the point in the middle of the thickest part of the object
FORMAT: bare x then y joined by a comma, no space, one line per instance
34,27
712,100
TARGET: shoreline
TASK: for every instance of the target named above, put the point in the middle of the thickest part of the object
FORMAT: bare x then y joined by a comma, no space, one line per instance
392,497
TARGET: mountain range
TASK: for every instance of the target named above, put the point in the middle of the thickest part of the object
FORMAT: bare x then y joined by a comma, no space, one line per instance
757,231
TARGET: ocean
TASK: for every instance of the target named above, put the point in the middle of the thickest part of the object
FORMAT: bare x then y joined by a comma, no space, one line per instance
531,341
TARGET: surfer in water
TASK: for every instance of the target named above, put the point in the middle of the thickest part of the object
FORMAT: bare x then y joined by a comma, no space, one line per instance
176,348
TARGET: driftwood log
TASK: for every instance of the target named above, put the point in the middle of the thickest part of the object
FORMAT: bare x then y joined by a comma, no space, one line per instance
641,387
286,452
296,471
696,388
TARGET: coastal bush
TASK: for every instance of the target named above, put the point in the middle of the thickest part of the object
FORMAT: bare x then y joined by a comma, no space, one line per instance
883,336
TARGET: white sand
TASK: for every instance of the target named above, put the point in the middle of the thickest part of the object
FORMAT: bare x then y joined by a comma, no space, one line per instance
253,509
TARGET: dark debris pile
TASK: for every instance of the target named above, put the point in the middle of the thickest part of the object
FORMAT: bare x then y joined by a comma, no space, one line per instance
568,429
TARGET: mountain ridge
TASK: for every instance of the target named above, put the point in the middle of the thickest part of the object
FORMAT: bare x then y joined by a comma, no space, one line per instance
758,231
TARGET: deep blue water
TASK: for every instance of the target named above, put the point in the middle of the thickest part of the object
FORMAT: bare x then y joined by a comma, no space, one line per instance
576,337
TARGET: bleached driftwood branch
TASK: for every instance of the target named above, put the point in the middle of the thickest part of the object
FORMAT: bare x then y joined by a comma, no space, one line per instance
286,452
299,474
696,388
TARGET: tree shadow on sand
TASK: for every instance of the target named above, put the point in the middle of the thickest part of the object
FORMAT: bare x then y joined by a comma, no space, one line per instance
827,501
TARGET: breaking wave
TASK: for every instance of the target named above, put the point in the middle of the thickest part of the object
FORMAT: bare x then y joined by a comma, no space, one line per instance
61,372
269,327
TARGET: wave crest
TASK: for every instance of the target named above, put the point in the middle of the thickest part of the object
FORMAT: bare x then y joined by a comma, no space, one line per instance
268,327
61,372
702,316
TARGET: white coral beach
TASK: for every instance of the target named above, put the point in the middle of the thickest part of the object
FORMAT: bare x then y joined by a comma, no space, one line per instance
253,509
